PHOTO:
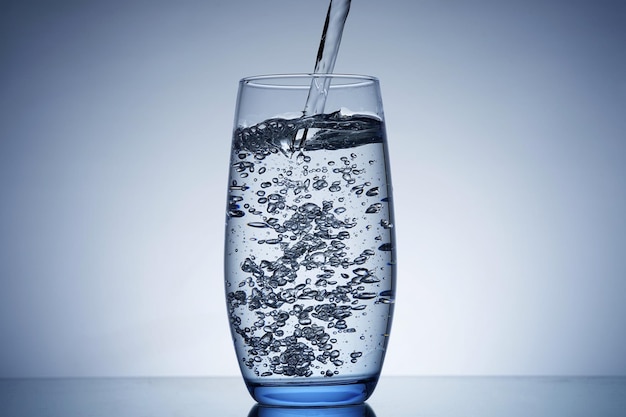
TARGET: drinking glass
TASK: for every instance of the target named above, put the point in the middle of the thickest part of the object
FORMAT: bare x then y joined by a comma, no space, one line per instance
310,245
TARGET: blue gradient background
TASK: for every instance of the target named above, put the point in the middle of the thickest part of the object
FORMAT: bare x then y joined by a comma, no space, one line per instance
507,128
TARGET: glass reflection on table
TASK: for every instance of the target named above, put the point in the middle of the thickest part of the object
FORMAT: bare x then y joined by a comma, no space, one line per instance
360,410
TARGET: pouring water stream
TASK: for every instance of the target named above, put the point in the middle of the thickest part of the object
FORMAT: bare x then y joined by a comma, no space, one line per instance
324,64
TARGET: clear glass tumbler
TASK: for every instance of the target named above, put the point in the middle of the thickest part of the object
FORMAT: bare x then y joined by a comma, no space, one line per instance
310,245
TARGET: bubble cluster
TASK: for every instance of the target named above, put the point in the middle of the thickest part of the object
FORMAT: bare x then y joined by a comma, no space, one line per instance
309,252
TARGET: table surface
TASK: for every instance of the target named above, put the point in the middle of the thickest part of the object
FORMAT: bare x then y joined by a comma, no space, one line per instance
394,397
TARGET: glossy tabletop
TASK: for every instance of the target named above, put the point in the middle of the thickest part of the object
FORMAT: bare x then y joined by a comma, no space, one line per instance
394,397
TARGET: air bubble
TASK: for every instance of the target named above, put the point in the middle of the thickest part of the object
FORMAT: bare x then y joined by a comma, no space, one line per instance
258,224
319,184
372,192
385,224
374,208
386,247
236,213
365,295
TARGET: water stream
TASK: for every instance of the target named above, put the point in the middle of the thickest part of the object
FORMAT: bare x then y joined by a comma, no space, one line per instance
324,64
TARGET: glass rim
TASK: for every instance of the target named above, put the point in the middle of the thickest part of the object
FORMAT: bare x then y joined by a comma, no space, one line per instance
290,80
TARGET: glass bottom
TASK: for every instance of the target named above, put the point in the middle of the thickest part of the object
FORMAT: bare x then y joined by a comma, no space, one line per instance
313,395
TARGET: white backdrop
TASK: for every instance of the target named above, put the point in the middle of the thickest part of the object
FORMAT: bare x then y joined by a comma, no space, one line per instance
507,128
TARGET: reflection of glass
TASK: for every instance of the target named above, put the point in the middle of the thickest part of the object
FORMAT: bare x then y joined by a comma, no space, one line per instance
310,255
360,410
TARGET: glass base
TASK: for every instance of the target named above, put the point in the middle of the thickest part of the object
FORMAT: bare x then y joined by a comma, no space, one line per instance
313,395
